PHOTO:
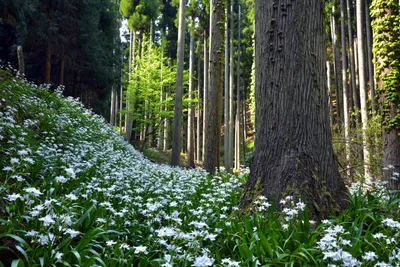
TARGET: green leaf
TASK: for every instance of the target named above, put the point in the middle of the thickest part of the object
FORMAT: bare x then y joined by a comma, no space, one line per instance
82,218
265,243
17,263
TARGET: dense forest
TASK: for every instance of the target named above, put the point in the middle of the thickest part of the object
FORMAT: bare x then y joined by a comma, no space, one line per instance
294,103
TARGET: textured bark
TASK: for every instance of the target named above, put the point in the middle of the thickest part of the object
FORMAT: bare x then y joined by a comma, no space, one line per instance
213,114
205,93
112,107
190,126
355,101
176,134
227,108
21,64
346,95
128,99
363,90
293,146
337,65
199,94
237,117
231,91
329,91
371,73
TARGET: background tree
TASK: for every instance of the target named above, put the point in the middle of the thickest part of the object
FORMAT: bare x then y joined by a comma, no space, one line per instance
386,29
214,98
293,147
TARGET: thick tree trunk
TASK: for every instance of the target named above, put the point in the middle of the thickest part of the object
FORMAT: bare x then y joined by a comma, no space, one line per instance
190,126
213,114
385,23
176,134
363,91
329,91
293,146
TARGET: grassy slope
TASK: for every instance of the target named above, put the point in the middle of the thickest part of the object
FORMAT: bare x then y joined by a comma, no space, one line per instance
73,192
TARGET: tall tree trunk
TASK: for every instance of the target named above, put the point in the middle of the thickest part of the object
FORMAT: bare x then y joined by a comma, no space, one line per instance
293,146
237,117
353,88
371,73
329,91
386,23
205,93
115,105
199,93
337,67
112,109
48,63
231,90
176,134
345,85
190,126
227,108
160,143
62,70
128,98
213,115
363,89
21,64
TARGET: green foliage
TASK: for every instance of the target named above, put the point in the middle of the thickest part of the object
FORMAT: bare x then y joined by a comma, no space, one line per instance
386,48
74,193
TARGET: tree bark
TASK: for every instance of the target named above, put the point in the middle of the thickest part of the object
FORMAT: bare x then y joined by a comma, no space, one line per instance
336,63
190,126
237,117
231,91
128,98
199,93
21,64
293,146
363,91
346,101
205,93
371,73
213,114
227,108
176,134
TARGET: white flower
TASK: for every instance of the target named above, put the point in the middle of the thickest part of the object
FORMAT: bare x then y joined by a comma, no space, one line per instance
14,160
61,179
8,168
140,249
47,220
33,191
73,233
59,255
110,243
22,152
230,263
369,256
71,196
203,261
14,197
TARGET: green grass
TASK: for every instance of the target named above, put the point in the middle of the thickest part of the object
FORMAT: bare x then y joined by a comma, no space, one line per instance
74,193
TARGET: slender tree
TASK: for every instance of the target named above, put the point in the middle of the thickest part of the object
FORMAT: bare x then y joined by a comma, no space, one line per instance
176,134
293,146
363,90
227,107
190,126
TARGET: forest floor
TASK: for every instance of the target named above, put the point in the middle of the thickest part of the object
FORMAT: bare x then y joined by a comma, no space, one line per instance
74,193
